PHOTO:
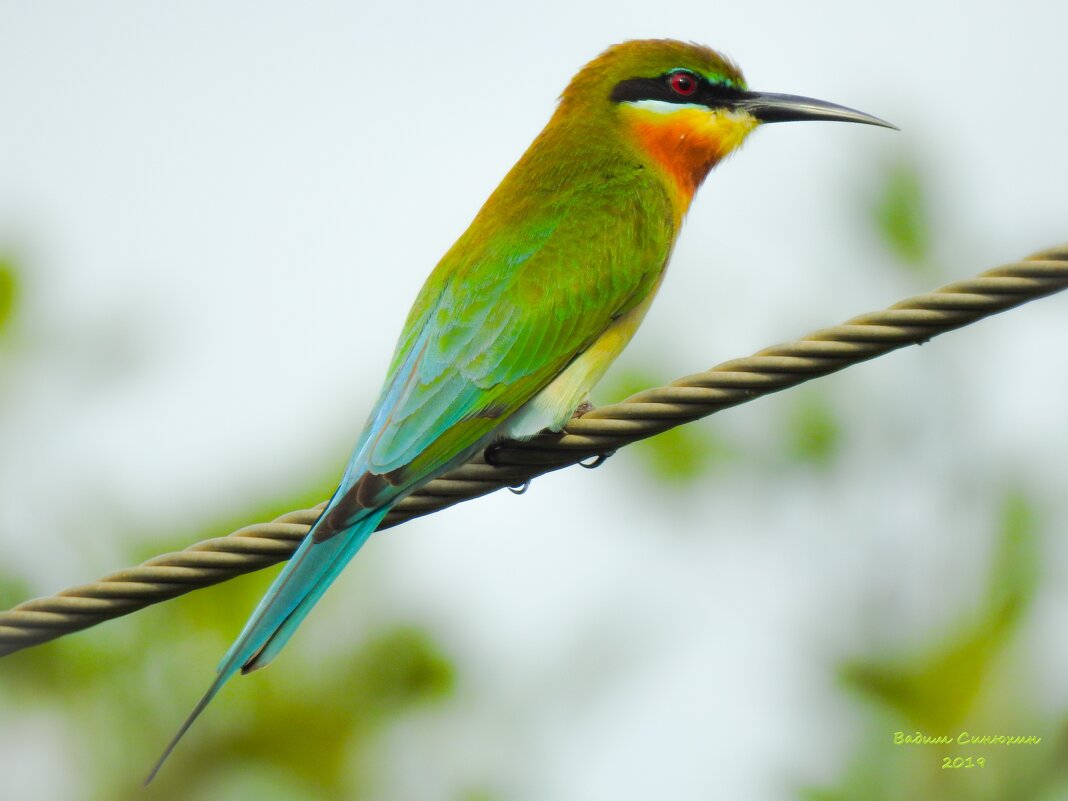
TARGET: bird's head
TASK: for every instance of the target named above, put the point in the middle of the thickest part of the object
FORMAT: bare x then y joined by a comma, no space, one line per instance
685,106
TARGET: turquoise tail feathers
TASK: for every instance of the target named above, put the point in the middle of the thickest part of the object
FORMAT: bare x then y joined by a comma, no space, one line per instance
326,570
290,598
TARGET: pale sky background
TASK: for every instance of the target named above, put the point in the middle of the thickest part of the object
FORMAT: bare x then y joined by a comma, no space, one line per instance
223,211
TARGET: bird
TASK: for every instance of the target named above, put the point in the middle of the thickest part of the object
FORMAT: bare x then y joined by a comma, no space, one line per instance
526,311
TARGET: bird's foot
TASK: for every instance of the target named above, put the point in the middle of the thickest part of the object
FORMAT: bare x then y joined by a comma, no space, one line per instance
491,453
597,460
583,408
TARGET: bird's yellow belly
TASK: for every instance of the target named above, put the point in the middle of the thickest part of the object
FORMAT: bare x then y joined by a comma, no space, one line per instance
553,406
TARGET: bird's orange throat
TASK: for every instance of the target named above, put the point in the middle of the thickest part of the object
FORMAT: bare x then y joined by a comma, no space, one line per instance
686,141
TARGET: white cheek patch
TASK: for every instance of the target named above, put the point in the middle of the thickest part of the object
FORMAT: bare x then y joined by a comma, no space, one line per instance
737,116
663,106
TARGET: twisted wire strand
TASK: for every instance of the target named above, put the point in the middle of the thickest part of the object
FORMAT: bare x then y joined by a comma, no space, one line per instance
601,430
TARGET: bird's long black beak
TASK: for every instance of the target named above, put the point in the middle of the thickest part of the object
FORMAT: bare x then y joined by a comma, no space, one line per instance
769,107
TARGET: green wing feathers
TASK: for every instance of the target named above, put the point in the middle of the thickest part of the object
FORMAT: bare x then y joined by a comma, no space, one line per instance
495,324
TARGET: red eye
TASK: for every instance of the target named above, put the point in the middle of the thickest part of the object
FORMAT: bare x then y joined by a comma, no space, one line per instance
683,83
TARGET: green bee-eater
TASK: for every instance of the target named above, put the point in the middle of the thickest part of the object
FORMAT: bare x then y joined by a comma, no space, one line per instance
535,300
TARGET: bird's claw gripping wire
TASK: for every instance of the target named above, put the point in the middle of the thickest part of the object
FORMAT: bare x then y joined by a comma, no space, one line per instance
489,454
597,460
583,409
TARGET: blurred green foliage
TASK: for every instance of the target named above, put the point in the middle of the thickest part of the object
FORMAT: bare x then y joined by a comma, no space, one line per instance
478,795
8,292
13,590
900,212
814,435
937,690
299,733
966,680
313,727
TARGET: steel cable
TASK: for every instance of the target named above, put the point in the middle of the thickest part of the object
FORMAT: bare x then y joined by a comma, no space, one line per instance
601,430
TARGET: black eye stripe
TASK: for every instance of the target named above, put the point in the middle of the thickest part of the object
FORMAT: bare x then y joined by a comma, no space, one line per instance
713,95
